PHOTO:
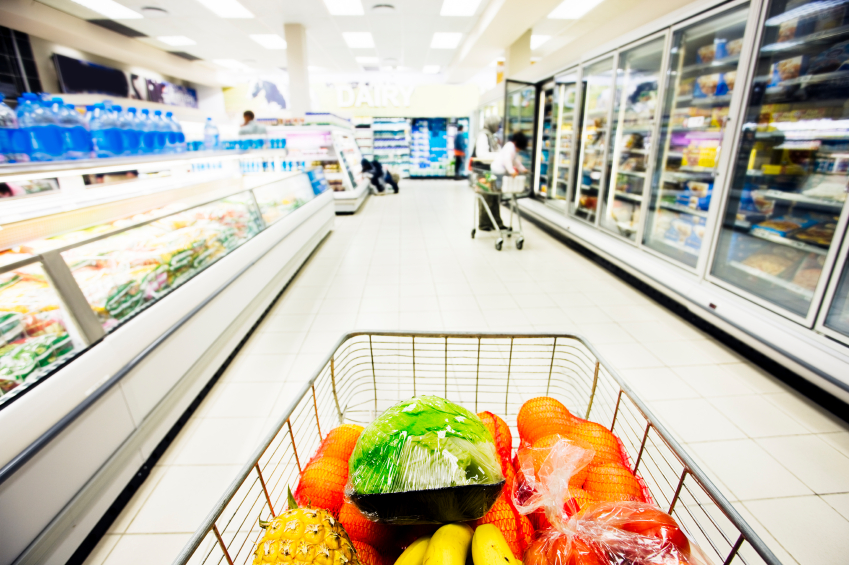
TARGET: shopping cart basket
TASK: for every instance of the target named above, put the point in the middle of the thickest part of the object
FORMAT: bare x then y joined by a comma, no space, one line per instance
511,188
369,372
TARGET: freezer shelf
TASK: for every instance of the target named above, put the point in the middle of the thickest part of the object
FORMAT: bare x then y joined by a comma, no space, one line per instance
703,63
792,164
634,112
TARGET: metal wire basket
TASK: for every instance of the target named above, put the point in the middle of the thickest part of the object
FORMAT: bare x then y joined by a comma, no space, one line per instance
369,372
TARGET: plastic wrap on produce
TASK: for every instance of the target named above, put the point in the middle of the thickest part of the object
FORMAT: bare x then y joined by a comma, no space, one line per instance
425,460
599,533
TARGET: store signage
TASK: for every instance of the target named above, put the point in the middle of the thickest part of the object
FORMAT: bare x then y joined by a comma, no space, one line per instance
374,96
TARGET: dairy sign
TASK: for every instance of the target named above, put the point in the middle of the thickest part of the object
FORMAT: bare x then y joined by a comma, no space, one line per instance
374,96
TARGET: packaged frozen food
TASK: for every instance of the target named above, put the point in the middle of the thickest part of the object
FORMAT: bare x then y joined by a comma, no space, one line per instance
807,278
770,263
787,30
685,87
706,54
716,84
425,460
820,234
734,47
787,69
835,58
783,226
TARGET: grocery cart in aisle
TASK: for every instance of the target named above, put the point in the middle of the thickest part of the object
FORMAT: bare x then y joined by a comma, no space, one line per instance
484,183
369,372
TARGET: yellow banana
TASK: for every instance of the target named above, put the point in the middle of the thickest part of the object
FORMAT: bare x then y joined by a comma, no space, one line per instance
415,552
490,548
449,545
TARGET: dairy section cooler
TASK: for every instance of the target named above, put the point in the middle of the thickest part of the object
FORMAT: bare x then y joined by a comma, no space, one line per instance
122,282
718,146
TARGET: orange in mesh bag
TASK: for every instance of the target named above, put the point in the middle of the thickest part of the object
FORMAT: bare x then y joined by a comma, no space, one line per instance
599,533
542,416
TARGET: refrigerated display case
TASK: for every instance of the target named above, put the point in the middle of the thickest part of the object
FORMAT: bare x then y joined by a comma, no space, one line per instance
593,171
788,191
633,127
702,73
392,144
520,114
563,156
834,316
547,139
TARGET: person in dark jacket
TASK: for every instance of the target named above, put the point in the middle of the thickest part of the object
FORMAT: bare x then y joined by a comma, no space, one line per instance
377,175
459,153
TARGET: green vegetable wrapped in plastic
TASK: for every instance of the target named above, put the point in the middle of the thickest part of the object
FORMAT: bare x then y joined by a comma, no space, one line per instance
425,460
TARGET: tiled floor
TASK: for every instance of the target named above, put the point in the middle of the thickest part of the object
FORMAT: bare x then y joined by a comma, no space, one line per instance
408,262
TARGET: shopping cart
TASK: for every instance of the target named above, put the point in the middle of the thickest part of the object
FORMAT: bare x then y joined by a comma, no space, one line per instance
369,372
510,187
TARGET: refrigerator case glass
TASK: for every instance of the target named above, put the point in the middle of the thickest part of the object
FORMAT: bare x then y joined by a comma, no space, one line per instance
124,273
598,96
34,330
837,316
548,143
634,110
703,66
792,166
562,159
277,200
521,110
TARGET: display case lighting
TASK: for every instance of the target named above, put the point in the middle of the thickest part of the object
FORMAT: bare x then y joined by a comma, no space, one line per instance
227,8
110,9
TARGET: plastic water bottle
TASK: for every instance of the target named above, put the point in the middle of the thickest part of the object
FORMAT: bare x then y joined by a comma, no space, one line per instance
75,133
130,134
176,139
105,136
42,139
210,135
148,137
161,138
8,129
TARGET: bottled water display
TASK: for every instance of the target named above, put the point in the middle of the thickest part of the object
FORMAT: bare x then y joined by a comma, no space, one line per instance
8,127
210,135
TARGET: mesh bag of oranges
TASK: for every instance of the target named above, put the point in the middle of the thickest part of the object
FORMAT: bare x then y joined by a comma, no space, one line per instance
596,512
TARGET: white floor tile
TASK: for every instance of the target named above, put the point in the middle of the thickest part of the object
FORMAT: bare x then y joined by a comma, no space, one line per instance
605,333
807,413
757,417
258,368
713,380
273,343
839,502
696,420
824,469
242,400
748,470
658,383
146,549
222,441
628,355
806,526
101,551
839,441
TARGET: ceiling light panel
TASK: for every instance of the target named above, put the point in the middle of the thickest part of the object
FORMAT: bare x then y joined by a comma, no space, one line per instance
459,7
110,9
573,9
227,8
358,39
443,40
176,40
430,69
344,7
538,40
368,60
269,40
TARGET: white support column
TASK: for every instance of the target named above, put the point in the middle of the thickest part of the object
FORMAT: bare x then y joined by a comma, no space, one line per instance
296,57
518,55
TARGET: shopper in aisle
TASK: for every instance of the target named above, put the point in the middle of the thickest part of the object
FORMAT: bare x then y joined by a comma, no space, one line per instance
485,151
250,127
459,153
508,162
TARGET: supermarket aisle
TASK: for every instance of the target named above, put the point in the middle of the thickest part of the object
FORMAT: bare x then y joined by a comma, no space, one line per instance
407,262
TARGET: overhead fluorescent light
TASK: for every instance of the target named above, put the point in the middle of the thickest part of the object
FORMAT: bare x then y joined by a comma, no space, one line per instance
176,40
344,7
227,8
430,69
371,61
269,40
110,9
358,39
573,9
459,7
538,40
231,64
442,40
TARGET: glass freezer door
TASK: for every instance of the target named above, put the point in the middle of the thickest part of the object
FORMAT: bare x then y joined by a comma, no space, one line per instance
563,152
701,76
520,115
547,139
634,112
790,172
598,96
837,315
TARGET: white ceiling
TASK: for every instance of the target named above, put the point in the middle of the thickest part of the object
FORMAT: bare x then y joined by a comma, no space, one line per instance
404,35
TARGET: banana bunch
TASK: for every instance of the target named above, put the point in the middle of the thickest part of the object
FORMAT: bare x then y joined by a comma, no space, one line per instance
450,545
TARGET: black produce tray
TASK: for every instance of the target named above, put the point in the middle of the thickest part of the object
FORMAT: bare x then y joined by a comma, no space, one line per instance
433,506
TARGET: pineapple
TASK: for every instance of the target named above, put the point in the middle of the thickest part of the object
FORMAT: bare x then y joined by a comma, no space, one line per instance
305,536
